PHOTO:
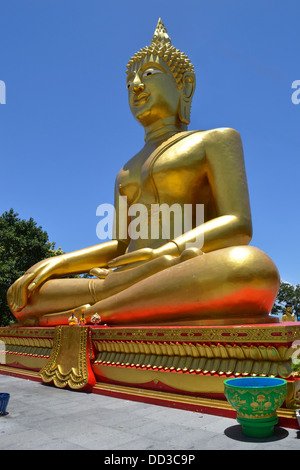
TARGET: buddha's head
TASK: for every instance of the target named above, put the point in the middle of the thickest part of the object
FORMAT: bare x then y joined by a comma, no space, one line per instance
160,81
289,308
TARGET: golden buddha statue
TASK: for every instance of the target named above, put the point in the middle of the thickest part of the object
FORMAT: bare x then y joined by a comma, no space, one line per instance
206,275
288,315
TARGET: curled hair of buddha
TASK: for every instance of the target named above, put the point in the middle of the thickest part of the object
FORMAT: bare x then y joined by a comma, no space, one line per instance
161,46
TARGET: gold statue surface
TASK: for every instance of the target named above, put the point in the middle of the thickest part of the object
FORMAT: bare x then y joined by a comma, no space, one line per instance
205,275
288,315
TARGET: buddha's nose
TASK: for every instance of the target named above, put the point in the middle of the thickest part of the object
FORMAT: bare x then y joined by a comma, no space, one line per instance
137,89
137,86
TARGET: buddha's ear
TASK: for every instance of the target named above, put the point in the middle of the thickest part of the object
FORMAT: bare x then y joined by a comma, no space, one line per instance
187,92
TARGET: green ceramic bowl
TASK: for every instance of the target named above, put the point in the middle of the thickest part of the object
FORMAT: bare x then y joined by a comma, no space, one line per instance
256,400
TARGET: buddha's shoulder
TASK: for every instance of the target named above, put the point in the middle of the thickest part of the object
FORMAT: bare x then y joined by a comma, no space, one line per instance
214,136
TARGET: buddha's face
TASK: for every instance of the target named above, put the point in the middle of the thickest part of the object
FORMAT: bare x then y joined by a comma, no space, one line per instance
153,93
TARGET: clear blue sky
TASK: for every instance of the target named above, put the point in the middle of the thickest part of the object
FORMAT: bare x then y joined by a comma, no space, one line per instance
66,129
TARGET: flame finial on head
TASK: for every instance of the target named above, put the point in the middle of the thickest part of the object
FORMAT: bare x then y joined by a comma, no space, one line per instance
160,34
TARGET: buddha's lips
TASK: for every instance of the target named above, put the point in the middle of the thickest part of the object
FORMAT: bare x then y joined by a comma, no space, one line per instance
143,97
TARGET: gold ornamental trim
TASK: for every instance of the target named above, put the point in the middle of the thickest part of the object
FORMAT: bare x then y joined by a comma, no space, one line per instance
25,332
177,398
15,371
67,365
271,333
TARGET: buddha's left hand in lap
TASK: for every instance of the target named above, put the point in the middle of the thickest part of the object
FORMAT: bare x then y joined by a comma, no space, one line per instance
144,254
147,254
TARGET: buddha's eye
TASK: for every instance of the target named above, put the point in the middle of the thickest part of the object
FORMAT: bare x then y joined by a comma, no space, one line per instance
151,71
129,83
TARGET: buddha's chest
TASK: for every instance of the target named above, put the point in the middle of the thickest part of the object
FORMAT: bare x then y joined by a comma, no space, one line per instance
167,175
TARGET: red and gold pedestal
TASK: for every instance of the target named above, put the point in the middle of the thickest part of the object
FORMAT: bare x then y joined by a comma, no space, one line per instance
182,367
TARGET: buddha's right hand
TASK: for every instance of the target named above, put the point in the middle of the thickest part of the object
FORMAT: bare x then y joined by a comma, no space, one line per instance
23,287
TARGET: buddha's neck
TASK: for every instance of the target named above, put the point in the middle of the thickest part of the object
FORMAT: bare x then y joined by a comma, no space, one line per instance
163,129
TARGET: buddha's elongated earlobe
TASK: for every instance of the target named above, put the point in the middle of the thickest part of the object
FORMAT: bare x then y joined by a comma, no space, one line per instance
187,92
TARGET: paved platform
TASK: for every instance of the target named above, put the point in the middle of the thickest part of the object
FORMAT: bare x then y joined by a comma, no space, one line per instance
42,417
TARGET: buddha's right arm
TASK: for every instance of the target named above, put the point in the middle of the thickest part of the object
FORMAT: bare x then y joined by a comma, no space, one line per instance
76,262
82,261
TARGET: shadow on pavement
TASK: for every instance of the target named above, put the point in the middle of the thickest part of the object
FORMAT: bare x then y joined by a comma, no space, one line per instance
235,432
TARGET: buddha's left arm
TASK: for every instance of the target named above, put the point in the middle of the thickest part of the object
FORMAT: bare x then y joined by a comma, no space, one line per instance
227,179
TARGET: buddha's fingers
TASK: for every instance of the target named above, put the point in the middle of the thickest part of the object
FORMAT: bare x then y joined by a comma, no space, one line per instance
18,294
101,273
44,274
129,258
